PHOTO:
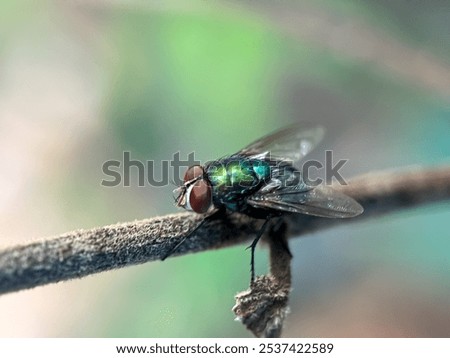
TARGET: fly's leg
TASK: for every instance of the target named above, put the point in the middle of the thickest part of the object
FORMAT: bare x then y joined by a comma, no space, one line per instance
253,246
215,215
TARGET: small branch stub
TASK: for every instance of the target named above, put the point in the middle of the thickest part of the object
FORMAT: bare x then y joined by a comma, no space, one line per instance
264,307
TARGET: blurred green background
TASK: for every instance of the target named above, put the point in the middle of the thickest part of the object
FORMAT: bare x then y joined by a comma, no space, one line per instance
83,81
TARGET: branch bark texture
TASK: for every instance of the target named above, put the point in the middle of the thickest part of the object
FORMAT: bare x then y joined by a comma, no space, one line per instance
84,252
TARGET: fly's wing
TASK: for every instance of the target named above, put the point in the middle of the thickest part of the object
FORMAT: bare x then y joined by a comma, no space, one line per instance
291,143
317,201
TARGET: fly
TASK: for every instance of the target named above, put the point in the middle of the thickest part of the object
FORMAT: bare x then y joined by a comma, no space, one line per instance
261,181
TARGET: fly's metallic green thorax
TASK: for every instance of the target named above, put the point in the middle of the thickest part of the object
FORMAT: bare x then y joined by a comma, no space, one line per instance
237,172
235,177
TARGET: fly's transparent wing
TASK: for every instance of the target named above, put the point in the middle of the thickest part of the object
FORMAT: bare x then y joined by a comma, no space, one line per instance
291,143
317,201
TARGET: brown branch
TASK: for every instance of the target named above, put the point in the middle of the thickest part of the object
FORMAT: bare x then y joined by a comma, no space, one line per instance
84,252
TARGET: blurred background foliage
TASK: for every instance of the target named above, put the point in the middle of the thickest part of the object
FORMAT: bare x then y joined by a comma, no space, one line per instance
83,81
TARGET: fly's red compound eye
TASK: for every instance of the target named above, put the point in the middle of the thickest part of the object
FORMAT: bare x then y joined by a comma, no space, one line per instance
199,198
193,172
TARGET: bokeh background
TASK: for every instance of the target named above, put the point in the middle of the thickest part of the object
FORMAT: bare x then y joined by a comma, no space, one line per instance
83,81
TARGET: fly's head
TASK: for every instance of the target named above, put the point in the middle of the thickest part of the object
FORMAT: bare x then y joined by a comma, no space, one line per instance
195,193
